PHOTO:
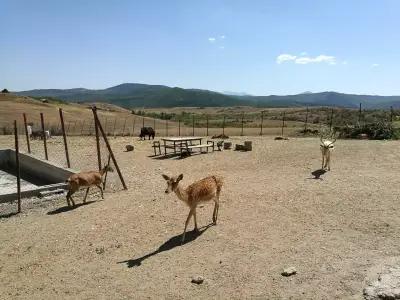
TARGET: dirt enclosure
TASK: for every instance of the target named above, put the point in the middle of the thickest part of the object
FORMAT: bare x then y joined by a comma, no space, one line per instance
337,232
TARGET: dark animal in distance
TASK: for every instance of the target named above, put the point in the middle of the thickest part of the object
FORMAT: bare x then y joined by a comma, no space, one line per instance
147,131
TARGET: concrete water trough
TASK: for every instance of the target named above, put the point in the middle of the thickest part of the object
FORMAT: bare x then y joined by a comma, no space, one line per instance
36,176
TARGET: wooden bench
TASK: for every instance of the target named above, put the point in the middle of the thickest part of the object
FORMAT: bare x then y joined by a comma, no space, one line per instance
189,148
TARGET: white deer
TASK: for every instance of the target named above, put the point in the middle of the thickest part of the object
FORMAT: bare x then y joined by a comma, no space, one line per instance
326,148
206,189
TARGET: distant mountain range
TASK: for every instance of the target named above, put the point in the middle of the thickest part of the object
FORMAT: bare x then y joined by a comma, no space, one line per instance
130,95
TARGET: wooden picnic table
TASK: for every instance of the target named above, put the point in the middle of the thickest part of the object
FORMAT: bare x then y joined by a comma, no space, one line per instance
177,143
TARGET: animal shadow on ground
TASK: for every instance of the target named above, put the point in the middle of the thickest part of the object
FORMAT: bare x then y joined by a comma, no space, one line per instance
8,215
173,242
317,174
68,208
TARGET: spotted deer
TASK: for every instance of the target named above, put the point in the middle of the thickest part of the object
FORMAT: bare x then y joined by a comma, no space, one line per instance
204,190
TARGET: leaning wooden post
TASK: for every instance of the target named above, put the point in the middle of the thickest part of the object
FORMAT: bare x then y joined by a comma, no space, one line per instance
96,128
283,122
193,125
64,138
223,126
96,119
44,137
242,124
105,175
18,171
305,124
262,120
28,143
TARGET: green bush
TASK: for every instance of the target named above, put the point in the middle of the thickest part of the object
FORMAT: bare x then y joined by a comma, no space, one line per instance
374,131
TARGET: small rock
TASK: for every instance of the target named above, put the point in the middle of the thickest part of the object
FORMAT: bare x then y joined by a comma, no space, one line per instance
129,148
100,250
197,280
289,271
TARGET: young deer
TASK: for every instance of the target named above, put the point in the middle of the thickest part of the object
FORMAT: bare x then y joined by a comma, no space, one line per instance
86,179
206,189
326,149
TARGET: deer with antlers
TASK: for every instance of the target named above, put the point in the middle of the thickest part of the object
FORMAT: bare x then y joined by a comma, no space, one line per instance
86,179
326,148
204,190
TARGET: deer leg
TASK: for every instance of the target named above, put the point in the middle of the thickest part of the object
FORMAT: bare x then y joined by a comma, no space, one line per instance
186,224
101,190
69,198
328,161
195,221
68,201
87,191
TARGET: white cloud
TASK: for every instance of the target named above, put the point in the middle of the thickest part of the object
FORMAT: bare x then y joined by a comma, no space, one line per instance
285,57
211,39
304,60
375,65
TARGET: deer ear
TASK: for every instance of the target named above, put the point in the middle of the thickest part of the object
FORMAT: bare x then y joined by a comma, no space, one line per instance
180,177
165,177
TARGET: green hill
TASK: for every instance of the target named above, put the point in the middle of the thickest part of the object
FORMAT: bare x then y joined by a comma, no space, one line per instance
130,95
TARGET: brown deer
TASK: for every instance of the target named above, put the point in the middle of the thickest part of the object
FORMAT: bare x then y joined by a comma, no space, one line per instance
206,189
86,179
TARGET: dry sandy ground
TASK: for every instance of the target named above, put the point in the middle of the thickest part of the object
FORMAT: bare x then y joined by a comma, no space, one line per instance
337,232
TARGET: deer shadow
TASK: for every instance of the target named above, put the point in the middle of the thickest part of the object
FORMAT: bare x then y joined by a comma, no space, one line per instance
68,208
317,174
173,242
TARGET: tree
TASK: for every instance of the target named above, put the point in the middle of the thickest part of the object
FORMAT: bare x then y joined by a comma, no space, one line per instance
5,91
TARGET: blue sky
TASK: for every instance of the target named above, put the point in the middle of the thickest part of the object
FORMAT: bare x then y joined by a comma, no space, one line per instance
257,47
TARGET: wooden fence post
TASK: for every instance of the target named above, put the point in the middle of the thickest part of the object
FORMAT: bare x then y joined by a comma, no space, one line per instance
193,125
391,114
28,142
96,119
64,138
262,120
123,130
115,122
305,124
207,126
242,124
18,171
96,128
331,121
44,137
